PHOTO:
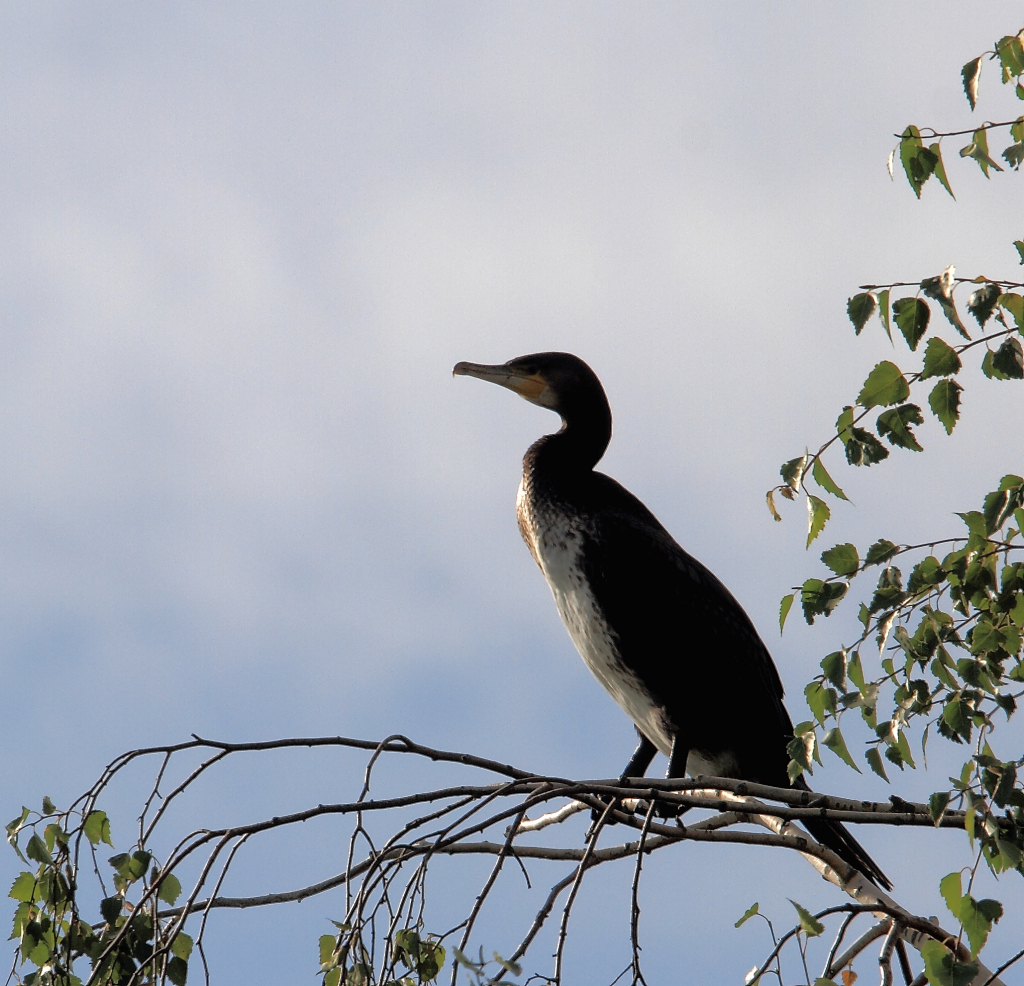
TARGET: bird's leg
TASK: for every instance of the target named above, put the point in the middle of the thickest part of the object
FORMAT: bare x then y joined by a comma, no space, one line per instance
641,759
637,766
676,768
677,759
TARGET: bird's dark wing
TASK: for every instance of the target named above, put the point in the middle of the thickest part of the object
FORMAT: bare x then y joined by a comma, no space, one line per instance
687,638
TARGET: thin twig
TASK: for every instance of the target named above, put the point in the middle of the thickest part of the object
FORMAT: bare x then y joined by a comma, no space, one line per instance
961,133
634,915
828,972
563,928
1006,965
482,896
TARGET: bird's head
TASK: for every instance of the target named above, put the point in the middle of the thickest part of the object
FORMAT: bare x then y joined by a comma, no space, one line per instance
559,381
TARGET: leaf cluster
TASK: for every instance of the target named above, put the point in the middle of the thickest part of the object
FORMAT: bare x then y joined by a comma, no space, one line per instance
345,961
127,943
920,160
949,660
886,391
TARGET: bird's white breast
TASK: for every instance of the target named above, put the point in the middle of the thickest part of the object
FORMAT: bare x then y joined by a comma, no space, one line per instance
556,543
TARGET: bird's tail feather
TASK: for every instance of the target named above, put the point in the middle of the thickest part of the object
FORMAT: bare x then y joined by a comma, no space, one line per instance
835,836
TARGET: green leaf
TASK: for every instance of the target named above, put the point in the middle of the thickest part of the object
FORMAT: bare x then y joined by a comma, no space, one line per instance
48,807
177,971
958,716
139,863
883,310
942,969
940,168
977,917
881,551
844,423
14,827
833,739
894,426
842,559
918,162
170,890
825,481
1008,360
36,850
327,945
182,945
940,359
1017,613
863,449
884,386
988,369
855,671
747,914
23,887
937,804
800,750
110,908
860,308
820,700
926,573
834,667
975,521
792,472
971,73
1011,56
784,608
514,967
982,302
817,597
999,507
1014,155
978,149
874,759
944,400
1019,244
912,315
1010,853
817,516
809,924
97,828
903,746
941,289
53,834
1014,304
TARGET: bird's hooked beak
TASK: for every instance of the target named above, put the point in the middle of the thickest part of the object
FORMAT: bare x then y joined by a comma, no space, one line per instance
533,387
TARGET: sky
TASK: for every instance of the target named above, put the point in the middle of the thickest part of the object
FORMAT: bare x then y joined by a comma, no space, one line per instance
243,497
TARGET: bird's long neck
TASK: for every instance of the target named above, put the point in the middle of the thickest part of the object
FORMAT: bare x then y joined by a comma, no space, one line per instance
571,453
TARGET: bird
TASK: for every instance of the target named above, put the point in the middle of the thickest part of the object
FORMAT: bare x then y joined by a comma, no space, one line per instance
661,633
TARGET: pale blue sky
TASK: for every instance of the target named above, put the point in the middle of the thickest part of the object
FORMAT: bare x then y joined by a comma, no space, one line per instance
245,244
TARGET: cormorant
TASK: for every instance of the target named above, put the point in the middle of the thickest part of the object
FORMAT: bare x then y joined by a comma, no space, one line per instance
663,635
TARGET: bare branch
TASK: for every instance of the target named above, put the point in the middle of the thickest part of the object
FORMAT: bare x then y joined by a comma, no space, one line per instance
885,956
634,916
389,883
